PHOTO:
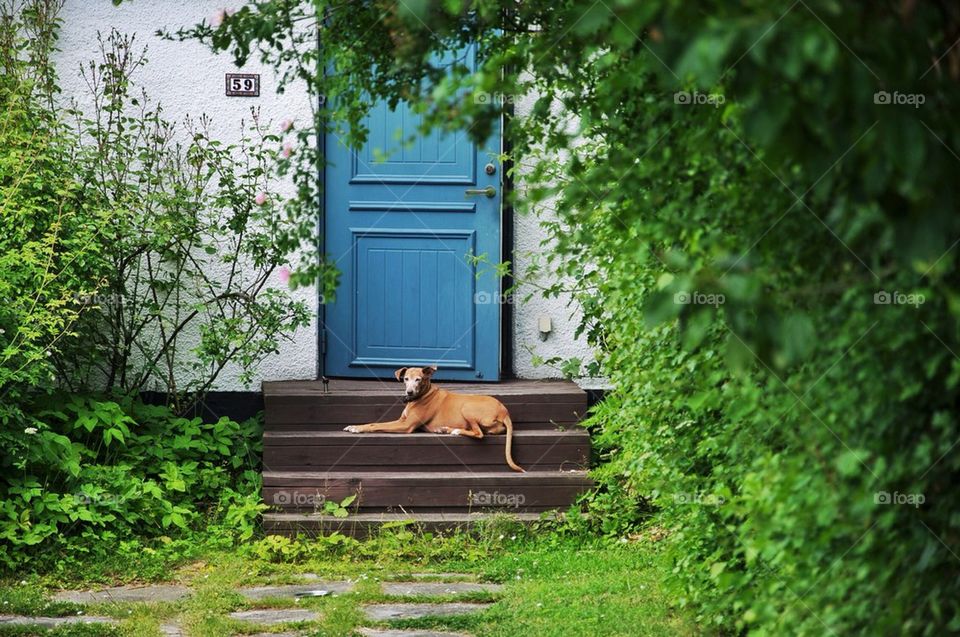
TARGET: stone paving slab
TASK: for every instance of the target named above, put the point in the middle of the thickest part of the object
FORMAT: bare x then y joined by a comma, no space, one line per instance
447,576
292,590
171,630
385,612
158,593
409,589
275,616
53,622
376,632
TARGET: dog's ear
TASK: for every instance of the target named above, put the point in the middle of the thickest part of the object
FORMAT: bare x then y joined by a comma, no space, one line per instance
399,373
428,371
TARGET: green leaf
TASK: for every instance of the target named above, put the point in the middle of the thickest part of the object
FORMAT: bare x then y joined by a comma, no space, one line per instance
851,462
717,568
661,307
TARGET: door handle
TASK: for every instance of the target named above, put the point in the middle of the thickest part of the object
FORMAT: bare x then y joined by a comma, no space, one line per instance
489,191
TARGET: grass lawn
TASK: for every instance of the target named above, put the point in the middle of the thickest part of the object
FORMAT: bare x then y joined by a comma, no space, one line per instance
553,586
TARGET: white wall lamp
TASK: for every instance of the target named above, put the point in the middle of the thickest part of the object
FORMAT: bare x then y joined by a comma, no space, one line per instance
545,326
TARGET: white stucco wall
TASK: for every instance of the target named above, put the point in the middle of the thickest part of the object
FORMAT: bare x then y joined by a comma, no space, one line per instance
189,80
564,316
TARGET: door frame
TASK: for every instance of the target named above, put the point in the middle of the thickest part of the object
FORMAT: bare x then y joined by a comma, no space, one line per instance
506,252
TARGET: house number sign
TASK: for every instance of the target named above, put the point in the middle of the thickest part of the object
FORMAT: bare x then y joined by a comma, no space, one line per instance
243,84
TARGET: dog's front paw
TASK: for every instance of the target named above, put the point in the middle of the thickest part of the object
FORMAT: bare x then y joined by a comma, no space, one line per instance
354,429
456,432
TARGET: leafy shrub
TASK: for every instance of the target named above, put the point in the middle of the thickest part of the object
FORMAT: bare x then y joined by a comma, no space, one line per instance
130,261
109,471
136,251
190,249
49,243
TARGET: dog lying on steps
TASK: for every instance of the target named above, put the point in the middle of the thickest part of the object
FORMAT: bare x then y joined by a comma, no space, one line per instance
441,412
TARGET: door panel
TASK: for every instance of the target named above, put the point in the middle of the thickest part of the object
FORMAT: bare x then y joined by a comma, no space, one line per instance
403,233
415,298
432,159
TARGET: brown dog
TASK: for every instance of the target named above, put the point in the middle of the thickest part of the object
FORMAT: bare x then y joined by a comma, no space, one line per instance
441,412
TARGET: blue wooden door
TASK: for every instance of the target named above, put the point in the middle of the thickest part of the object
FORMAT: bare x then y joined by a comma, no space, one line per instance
402,228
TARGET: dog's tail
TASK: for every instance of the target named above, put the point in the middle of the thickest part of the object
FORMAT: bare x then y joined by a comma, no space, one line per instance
509,446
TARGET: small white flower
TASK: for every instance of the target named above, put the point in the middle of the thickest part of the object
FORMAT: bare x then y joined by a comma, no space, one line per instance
220,16
30,431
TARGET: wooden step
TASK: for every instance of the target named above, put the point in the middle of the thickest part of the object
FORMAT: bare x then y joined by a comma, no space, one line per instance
363,525
456,491
287,451
305,405
390,415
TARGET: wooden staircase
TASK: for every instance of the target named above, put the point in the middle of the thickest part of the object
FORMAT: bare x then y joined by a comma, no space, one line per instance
438,481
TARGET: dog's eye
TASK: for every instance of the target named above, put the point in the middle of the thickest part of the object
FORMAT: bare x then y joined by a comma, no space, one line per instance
418,380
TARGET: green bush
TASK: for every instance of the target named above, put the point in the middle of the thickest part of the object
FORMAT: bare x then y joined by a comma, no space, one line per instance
191,254
112,238
49,243
101,472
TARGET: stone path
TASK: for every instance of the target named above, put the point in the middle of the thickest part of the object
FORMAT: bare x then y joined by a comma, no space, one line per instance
53,622
443,576
423,585
411,589
386,612
159,593
376,632
275,616
316,589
